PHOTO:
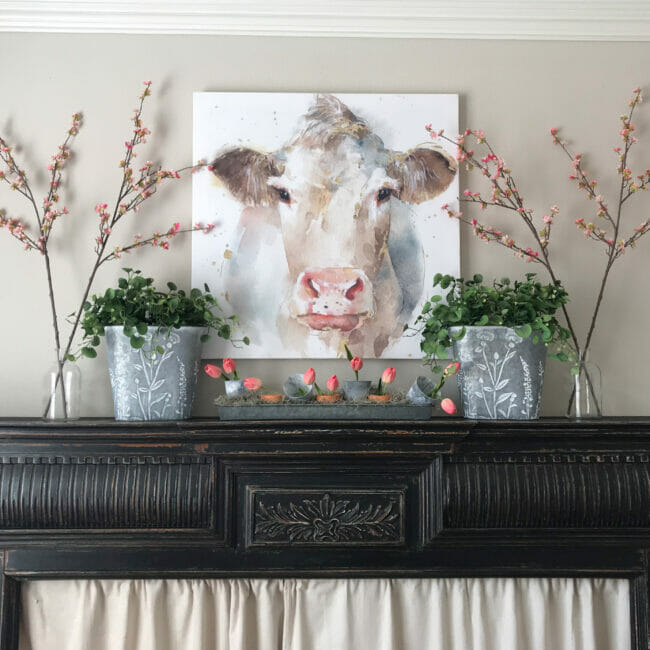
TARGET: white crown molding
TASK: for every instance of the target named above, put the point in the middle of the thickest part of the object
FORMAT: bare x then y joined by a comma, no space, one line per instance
600,20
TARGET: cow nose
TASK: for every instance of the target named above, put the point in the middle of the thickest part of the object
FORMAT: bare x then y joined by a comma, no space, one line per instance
311,286
355,289
333,298
322,283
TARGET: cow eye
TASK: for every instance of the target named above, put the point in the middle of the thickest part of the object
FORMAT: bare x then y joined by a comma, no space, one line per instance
283,195
384,194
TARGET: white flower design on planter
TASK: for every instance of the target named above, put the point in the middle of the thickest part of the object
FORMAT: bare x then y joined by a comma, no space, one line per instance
500,373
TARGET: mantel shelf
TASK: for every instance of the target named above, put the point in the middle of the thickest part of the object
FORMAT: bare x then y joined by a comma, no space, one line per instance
448,496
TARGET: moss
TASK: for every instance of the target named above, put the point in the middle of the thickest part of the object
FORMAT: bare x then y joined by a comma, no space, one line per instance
396,398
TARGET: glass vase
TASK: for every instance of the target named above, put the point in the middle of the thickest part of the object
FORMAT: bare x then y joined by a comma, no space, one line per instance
62,392
587,390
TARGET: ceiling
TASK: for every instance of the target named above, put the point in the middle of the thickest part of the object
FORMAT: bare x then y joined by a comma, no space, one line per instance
615,20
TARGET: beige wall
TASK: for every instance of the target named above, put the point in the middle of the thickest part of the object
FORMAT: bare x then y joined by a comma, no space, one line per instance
515,91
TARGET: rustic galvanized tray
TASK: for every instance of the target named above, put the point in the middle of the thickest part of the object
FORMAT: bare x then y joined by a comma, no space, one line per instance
345,411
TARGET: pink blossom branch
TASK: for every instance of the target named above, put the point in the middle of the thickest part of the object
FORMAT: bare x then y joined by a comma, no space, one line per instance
131,195
617,248
505,194
157,240
108,221
17,229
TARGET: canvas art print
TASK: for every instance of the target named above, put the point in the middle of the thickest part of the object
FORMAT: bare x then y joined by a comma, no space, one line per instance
329,228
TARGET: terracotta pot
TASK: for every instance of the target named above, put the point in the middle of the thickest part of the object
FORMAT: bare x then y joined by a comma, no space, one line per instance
328,398
271,398
379,398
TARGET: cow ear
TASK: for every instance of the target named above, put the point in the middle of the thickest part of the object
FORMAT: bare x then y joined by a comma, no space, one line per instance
424,173
245,173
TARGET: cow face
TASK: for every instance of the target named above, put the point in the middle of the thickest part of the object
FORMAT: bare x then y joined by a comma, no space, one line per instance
334,187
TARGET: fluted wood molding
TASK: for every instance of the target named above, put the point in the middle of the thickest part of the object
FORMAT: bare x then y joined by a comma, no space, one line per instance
599,20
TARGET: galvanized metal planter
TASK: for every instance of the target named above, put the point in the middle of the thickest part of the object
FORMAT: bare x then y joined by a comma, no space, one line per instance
297,390
501,374
235,388
420,391
356,390
148,385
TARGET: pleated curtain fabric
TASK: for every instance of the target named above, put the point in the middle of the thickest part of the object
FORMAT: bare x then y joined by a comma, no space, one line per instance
298,614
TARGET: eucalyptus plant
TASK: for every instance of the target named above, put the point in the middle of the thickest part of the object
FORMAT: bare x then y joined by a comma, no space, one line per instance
527,306
137,305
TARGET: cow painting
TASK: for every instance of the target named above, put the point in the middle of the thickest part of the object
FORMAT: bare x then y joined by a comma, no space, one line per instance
325,248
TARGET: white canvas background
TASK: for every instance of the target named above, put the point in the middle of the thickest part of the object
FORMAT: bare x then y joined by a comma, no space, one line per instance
266,121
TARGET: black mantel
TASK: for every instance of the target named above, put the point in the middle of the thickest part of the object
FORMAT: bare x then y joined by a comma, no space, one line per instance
448,497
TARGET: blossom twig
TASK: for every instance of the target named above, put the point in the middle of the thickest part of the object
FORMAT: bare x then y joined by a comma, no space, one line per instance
504,193
135,188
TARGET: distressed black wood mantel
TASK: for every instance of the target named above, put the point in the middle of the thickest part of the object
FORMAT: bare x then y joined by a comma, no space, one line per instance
448,497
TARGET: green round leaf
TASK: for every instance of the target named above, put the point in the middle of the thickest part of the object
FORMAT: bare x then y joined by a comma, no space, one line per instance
137,342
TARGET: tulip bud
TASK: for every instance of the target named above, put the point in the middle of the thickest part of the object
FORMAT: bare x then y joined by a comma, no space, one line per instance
452,369
332,383
253,383
448,406
388,375
356,364
309,377
230,367
212,370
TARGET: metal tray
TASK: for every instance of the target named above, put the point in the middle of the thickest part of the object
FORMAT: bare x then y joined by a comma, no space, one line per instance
325,412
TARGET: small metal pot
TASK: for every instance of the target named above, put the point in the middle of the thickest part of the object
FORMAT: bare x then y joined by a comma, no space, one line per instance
420,391
235,388
355,391
297,390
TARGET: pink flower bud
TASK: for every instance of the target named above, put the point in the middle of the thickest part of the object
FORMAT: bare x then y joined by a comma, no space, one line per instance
212,370
448,406
553,131
253,383
388,376
229,366
332,383
452,369
356,364
309,377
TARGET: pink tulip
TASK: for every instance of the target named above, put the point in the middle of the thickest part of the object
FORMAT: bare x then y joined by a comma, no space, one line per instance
309,377
452,369
253,383
332,383
229,365
448,406
212,370
388,375
356,364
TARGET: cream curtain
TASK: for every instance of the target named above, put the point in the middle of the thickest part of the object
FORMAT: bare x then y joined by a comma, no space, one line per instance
377,614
